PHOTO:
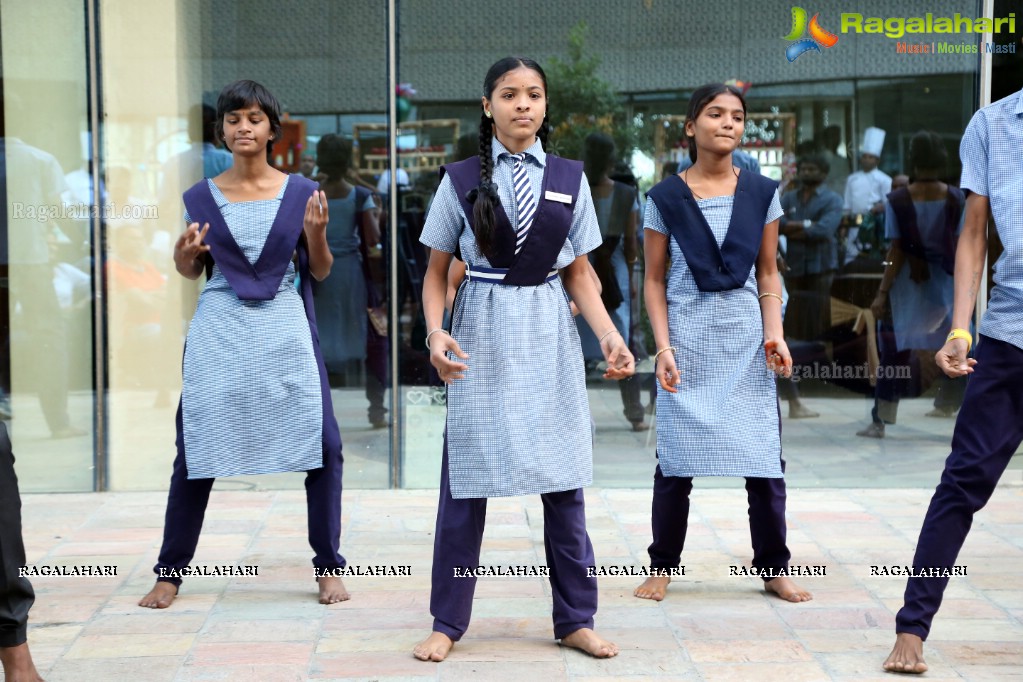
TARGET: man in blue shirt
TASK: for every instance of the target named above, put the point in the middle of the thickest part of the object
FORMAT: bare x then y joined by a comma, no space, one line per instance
812,215
989,428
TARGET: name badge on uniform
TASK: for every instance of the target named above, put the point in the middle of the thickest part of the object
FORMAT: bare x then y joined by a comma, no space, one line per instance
558,196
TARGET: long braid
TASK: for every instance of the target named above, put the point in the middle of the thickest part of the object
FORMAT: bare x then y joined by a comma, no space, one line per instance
483,207
545,131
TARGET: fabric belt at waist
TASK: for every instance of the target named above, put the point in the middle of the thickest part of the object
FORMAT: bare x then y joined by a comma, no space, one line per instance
496,275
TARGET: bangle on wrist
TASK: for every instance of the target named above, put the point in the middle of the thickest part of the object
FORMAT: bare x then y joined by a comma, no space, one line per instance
606,334
438,329
664,350
963,334
770,293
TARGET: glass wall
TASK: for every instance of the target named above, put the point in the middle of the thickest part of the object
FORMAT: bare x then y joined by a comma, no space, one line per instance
46,247
327,66
95,316
627,70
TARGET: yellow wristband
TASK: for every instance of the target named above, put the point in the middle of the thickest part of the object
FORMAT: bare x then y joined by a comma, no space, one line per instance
961,334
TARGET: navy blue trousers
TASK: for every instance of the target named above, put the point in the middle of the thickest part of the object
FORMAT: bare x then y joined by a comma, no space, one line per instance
186,509
457,545
988,431
669,516
16,595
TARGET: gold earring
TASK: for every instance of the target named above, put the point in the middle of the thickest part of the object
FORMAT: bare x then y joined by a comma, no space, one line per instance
488,114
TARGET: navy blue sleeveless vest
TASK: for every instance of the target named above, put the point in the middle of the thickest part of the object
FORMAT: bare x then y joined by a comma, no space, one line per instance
261,281
912,241
551,223
713,268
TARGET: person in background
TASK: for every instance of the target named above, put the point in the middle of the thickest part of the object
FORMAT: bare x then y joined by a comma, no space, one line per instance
812,215
829,142
616,206
923,222
307,165
348,298
865,192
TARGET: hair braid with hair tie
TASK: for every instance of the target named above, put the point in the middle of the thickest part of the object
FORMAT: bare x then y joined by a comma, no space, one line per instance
545,131
486,193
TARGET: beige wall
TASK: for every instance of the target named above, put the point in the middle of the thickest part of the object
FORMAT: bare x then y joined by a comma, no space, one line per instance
151,84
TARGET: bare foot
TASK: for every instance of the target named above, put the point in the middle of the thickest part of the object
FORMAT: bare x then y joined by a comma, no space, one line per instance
787,590
332,590
161,596
907,655
653,587
587,640
434,648
18,665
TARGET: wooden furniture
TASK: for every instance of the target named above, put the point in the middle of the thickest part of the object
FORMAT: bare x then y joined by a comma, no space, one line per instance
288,150
433,142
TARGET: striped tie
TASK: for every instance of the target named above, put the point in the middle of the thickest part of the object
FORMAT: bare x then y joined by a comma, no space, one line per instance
523,199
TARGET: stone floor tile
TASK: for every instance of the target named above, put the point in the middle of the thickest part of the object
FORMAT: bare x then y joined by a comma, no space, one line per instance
746,651
130,645
375,665
646,662
149,668
223,653
762,672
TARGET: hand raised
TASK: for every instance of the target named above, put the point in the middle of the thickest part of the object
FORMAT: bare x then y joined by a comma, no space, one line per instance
190,245
314,222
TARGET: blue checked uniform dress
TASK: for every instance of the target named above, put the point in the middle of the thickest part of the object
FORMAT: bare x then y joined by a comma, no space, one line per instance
724,419
519,422
250,399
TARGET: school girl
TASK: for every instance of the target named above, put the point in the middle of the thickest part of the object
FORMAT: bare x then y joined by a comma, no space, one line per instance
716,318
254,397
518,417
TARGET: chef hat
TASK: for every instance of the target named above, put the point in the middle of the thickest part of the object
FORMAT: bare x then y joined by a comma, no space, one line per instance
873,141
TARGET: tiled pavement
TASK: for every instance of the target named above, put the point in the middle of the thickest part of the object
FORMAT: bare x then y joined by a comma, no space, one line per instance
712,626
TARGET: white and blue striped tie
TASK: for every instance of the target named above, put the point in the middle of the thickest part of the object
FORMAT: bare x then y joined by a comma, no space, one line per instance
523,199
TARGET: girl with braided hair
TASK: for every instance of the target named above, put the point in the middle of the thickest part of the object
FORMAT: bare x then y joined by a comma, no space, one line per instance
518,417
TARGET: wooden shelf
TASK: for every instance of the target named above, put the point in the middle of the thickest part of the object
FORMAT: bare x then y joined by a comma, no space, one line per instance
435,142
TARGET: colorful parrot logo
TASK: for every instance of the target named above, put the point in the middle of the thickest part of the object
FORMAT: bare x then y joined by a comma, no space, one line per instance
819,37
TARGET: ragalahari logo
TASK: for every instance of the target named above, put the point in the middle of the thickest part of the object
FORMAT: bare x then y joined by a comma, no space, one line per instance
819,37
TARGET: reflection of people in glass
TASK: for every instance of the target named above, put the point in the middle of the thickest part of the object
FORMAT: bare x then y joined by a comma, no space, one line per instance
307,165
829,142
715,313
812,215
16,595
923,222
989,428
141,291
342,299
255,397
865,191
518,416
616,207
35,185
